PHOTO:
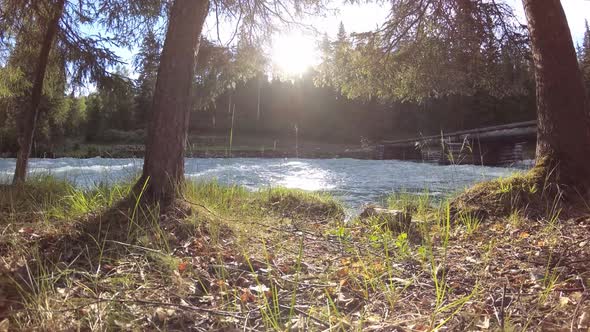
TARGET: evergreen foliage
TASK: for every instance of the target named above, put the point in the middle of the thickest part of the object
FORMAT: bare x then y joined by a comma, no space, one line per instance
146,63
585,58
414,55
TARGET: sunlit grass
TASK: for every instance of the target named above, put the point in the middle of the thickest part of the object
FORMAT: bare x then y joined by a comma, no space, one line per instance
271,259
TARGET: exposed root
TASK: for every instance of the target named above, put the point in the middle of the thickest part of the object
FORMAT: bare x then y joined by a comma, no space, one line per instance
534,193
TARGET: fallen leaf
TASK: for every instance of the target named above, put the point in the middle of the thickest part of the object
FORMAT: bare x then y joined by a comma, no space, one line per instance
563,301
163,314
259,289
182,266
5,325
485,324
247,296
343,272
584,321
26,230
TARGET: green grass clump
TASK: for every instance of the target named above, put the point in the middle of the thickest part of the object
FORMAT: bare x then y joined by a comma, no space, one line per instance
224,257
237,200
501,197
226,199
419,204
38,193
55,201
299,203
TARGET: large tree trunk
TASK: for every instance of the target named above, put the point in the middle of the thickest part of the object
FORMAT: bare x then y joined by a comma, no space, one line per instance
163,168
563,139
29,118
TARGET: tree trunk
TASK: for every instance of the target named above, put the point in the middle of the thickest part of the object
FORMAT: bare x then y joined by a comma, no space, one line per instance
163,168
29,119
563,134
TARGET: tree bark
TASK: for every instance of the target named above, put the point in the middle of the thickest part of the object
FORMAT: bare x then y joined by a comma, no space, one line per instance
163,168
563,134
29,118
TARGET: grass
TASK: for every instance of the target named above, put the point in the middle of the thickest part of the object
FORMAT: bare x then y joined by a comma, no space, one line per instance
470,221
279,259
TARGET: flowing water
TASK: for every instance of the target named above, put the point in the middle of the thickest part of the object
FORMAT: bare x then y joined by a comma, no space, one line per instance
355,182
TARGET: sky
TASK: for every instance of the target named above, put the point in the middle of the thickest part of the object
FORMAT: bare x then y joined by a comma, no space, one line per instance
577,11
294,50
364,17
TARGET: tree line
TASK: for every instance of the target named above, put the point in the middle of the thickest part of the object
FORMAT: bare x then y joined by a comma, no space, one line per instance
268,106
427,53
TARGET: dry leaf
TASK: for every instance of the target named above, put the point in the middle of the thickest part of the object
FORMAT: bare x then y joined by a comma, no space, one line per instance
163,314
5,325
584,321
563,301
485,324
247,296
26,230
259,289
343,272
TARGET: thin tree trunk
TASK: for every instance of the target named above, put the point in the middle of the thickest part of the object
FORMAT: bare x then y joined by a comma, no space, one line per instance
258,103
563,138
163,168
29,119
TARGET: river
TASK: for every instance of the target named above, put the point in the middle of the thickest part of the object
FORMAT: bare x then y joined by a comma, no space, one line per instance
354,182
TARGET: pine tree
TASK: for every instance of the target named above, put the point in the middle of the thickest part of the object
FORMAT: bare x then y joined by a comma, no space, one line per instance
444,48
31,113
341,36
563,122
163,167
585,59
146,61
64,29
76,117
95,117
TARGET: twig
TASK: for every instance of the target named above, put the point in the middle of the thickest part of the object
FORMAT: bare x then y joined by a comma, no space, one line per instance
502,308
149,303
582,299
180,306
202,206
500,313
134,246
299,311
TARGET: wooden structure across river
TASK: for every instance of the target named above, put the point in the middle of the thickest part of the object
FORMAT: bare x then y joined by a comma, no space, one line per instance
490,146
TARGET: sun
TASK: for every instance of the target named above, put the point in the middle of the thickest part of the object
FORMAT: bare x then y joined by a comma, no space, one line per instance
292,54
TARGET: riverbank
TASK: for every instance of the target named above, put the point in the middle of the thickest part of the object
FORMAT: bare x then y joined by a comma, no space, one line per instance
354,182
210,147
137,151
278,259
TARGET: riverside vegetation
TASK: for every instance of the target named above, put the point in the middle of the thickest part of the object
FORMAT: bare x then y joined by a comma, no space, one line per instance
165,254
281,259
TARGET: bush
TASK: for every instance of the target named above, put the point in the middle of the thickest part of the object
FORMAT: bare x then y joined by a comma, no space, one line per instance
121,136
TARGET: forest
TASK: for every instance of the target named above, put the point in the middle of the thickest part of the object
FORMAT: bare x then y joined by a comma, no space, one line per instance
268,106
115,216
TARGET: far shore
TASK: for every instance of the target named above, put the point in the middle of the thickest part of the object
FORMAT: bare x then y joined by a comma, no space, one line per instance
137,151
